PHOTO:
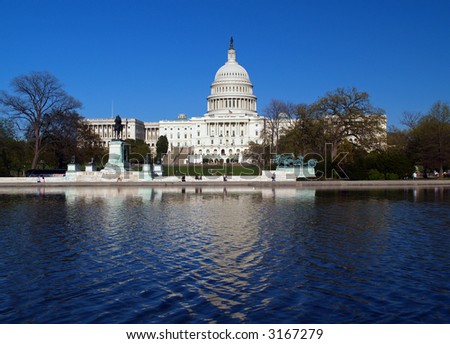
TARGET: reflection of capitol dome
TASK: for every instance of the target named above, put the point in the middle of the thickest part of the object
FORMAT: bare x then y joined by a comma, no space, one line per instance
232,90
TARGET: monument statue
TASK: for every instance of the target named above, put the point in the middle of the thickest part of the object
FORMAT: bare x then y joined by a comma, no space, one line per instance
118,127
287,163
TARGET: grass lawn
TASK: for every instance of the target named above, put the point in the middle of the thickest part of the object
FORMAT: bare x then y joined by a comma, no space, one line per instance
213,170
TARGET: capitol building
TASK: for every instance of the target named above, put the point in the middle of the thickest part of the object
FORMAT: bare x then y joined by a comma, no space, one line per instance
224,131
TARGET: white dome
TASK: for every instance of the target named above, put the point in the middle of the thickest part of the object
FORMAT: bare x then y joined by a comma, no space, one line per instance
231,71
231,90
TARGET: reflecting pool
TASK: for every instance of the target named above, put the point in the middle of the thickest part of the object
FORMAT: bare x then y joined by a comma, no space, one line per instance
224,255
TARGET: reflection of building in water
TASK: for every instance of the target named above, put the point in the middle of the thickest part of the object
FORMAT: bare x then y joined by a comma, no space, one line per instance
235,191
306,195
116,195
224,225
109,195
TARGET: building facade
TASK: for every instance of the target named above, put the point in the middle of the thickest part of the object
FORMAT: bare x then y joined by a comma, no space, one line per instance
224,131
133,129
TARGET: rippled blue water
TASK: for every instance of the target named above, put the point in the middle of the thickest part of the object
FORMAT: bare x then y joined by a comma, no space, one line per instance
212,255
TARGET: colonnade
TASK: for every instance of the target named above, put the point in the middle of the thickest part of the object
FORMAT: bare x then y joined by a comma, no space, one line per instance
151,134
227,129
103,130
232,103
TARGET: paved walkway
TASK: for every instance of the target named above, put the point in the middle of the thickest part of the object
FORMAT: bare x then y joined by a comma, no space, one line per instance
170,181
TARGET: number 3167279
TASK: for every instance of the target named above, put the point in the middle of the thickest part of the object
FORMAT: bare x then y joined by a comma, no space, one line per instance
296,333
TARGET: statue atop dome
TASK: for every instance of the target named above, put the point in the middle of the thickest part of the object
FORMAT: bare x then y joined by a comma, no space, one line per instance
231,43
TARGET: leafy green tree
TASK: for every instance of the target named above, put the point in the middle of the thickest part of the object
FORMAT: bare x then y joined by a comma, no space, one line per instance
38,97
397,139
162,146
12,150
259,154
87,147
69,135
306,135
139,150
391,163
430,138
61,139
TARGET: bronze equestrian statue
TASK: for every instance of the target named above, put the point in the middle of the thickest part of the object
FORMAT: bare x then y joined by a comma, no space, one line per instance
118,127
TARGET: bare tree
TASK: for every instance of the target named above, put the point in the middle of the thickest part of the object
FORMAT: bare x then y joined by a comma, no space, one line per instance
278,118
411,119
308,131
37,98
348,116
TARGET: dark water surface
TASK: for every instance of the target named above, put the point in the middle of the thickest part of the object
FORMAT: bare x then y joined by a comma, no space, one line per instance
239,255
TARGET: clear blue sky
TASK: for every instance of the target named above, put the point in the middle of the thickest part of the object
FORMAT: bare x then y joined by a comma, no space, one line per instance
156,59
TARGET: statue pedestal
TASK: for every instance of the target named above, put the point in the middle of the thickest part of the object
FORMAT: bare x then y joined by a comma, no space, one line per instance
292,173
73,168
147,171
90,168
117,159
157,170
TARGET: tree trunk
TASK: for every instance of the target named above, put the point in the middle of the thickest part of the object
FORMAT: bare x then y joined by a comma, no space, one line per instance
37,149
35,156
